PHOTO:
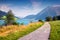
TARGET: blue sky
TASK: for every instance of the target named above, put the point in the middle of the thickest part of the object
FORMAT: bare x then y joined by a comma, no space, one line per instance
22,8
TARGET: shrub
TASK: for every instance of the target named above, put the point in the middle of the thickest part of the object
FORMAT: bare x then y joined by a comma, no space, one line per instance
22,24
54,18
15,23
40,20
49,18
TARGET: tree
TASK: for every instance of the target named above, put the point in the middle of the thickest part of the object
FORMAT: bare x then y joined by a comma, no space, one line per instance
58,17
49,18
0,18
3,18
40,20
10,17
55,18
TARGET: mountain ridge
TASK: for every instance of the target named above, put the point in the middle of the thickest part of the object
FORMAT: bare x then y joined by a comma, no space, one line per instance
48,11
2,13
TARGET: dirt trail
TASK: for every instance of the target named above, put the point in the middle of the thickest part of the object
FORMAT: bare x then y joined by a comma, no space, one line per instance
41,33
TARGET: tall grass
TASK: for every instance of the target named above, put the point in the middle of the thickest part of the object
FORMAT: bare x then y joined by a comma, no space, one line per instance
13,32
55,30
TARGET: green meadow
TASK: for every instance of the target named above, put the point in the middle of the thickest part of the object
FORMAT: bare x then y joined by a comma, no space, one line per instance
13,32
55,30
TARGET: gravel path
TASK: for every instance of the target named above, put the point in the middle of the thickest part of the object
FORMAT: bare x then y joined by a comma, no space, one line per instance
41,33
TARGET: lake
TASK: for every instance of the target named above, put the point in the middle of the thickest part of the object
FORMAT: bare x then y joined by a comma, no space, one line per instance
1,22
25,21
20,21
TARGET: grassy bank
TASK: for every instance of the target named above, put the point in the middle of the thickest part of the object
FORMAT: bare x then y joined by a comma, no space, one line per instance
55,30
13,32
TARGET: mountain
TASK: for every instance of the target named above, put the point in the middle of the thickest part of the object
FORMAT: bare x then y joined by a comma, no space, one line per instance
29,17
48,11
2,13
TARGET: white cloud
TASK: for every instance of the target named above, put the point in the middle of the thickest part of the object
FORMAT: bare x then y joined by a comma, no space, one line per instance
4,7
56,6
24,10
37,6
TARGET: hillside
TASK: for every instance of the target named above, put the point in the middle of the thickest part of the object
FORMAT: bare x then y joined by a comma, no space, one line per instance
48,11
29,17
2,13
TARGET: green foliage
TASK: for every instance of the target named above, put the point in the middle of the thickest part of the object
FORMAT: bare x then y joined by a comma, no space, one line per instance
21,33
49,18
58,17
10,17
15,23
55,18
31,22
55,30
21,23
3,18
40,20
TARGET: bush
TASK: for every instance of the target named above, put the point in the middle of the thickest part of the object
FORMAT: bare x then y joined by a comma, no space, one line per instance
49,18
55,18
22,24
40,20
15,23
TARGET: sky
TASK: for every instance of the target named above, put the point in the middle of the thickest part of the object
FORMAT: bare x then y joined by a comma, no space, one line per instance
22,8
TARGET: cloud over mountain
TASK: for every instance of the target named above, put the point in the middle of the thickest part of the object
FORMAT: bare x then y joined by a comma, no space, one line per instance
4,7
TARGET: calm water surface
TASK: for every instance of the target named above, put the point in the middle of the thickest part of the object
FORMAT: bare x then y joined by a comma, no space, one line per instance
24,21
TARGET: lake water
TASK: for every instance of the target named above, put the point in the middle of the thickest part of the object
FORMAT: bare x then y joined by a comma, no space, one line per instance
1,22
24,21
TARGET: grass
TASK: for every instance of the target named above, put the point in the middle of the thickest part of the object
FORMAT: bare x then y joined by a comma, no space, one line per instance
13,32
55,30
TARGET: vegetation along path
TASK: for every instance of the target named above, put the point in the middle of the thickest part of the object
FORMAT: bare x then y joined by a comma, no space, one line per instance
41,33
